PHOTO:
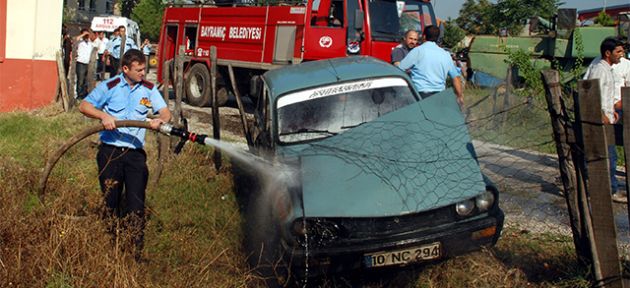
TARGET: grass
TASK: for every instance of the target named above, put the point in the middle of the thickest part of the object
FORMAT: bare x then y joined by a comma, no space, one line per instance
193,235
518,260
523,124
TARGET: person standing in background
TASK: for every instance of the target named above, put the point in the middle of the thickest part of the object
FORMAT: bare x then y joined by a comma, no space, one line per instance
146,50
84,50
611,51
409,41
102,62
115,47
111,65
430,66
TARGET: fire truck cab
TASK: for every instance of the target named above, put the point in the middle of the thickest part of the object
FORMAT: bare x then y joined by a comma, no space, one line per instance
254,38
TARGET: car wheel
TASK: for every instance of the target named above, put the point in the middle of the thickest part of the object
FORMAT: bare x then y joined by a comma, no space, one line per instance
198,86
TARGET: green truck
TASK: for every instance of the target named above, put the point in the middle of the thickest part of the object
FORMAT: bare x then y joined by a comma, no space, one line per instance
560,39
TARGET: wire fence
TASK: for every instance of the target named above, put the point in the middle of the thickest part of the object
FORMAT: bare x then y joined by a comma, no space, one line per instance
514,139
515,149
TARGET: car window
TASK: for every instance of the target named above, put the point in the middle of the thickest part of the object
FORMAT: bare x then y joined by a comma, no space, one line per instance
330,110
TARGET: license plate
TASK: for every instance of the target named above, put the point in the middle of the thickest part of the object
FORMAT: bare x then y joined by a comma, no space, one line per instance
405,256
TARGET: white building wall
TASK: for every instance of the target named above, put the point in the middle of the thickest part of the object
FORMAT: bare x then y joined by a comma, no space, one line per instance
89,10
33,29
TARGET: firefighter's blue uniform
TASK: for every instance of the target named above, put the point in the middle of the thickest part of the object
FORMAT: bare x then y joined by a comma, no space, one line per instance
121,159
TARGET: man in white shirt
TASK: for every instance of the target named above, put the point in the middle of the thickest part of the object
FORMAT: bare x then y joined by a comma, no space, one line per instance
102,46
621,72
611,51
84,50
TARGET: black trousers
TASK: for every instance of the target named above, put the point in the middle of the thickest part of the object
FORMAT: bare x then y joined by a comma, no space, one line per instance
100,67
114,66
82,80
147,66
123,175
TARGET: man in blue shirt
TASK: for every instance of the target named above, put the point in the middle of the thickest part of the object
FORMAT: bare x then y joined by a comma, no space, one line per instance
121,159
430,65
115,45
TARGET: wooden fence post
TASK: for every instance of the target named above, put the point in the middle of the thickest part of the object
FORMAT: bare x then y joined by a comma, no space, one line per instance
179,86
123,42
216,124
163,140
625,98
507,97
91,71
63,83
562,136
237,94
72,75
606,265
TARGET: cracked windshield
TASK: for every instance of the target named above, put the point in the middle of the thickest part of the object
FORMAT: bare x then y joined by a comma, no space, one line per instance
326,111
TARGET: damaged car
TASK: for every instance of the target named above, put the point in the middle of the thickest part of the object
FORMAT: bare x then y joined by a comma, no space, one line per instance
365,174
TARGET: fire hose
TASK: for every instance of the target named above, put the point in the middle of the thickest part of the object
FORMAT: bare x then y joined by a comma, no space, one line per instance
166,129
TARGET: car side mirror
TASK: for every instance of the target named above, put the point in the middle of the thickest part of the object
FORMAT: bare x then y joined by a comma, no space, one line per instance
358,19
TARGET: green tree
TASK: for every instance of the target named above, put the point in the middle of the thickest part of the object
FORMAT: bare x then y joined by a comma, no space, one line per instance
452,34
482,17
475,17
604,19
68,15
148,14
513,14
126,6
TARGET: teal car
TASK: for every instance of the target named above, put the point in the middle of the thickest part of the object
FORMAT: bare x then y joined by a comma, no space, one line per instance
366,174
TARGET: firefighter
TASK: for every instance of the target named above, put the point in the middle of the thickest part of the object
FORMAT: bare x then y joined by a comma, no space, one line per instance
115,46
430,65
121,159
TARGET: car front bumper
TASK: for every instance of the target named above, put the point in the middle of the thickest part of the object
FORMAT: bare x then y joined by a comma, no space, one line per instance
454,239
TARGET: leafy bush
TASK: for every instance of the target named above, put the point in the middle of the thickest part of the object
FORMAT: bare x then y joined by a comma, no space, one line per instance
604,19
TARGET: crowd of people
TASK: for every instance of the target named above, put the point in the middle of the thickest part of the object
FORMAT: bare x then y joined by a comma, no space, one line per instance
108,50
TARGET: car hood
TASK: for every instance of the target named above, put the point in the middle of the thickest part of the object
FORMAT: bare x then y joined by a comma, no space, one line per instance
414,159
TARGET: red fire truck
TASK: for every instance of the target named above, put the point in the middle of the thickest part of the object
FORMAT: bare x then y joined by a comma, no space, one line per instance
254,38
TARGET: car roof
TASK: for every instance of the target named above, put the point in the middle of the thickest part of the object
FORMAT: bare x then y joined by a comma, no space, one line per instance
327,72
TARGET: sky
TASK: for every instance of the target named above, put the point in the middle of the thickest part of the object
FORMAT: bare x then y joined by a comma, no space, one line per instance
450,8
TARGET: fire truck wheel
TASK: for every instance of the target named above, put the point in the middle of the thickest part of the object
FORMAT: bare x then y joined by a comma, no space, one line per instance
222,96
198,86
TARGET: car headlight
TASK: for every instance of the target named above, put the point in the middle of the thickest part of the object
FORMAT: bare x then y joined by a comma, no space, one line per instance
484,201
465,207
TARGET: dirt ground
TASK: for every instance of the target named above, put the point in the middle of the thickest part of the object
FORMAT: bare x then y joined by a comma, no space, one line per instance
200,121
